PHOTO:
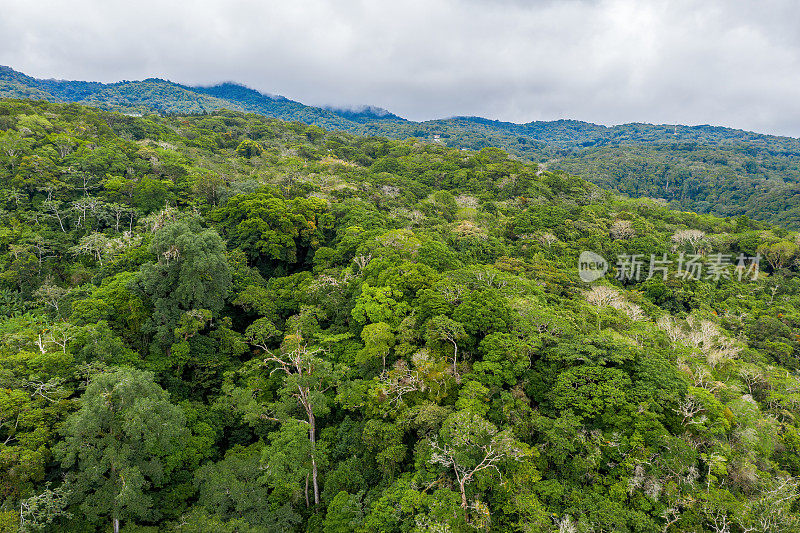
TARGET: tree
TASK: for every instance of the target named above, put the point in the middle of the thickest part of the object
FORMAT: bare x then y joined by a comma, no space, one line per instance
192,322
249,148
469,444
13,146
378,340
191,272
483,312
622,229
385,440
120,444
688,236
778,254
235,488
504,359
260,332
379,304
94,245
590,390
344,514
270,228
208,185
442,328
308,377
40,511
50,294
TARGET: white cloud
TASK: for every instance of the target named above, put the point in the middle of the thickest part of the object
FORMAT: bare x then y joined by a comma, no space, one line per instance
722,62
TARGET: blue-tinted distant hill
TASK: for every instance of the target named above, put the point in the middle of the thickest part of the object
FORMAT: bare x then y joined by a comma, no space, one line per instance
163,96
154,94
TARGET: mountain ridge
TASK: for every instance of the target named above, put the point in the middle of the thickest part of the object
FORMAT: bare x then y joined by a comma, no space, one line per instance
703,168
228,89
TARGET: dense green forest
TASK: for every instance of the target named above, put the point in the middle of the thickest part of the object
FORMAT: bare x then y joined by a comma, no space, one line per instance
229,323
706,169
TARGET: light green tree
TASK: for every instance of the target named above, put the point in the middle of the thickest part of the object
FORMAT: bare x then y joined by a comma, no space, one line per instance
378,340
249,148
469,444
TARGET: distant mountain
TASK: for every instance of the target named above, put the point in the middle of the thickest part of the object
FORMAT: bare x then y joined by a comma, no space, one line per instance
708,169
365,113
155,94
163,96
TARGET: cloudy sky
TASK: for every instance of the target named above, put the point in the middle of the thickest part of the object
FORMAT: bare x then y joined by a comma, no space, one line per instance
724,62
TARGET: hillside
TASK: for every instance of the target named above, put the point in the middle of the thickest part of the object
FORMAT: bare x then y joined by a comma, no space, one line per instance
226,322
721,171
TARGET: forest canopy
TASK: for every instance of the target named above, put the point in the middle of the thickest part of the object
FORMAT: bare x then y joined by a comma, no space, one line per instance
226,322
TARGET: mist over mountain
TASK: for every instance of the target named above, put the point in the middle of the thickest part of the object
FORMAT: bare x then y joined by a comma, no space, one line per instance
363,113
564,133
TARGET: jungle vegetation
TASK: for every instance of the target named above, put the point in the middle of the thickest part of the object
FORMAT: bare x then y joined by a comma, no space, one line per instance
227,322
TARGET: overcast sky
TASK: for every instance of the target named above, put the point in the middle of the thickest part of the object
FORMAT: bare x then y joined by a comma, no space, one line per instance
723,62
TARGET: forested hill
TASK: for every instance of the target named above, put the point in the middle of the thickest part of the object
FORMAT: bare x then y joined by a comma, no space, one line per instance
707,169
230,323
162,96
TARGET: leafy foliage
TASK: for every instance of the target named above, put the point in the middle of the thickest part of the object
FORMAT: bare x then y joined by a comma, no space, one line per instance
345,333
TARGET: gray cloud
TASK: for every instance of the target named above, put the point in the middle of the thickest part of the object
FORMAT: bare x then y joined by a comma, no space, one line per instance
725,62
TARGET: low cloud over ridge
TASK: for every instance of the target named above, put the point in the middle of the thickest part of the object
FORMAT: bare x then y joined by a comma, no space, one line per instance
731,63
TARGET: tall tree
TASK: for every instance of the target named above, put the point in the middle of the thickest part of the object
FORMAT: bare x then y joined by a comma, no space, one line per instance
120,445
308,377
470,444
190,272
445,329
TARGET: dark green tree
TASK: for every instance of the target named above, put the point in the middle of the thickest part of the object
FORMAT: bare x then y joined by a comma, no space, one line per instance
121,445
190,273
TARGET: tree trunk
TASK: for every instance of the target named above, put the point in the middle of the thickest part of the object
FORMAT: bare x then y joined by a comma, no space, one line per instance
313,438
314,476
307,504
115,520
455,357
58,216
463,494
